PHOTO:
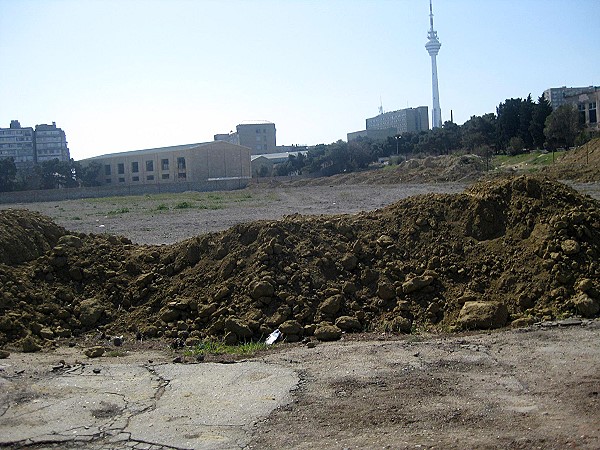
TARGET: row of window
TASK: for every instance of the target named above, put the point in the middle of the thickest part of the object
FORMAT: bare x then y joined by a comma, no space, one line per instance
164,176
135,166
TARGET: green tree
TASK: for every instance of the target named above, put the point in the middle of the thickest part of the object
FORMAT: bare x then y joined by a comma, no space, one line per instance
541,111
479,131
525,116
562,127
8,174
509,121
56,174
88,174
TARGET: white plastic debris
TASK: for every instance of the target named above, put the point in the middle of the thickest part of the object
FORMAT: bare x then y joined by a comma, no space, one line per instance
273,337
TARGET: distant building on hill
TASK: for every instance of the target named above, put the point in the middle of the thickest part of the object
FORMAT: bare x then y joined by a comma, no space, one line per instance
259,137
392,123
558,96
28,146
587,102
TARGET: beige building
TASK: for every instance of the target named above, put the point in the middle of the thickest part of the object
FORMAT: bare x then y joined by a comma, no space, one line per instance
191,163
259,137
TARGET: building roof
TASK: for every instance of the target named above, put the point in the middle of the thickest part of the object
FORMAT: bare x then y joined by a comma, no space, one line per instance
278,157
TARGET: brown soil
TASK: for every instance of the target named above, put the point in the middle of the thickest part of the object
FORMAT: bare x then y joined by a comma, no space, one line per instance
523,249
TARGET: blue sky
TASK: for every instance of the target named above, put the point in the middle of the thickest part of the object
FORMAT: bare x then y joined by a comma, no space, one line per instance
121,75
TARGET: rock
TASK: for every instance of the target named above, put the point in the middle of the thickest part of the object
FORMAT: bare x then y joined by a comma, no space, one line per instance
168,315
239,328
150,331
400,324
416,283
570,247
386,291
4,354
483,315
585,305
117,341
522,322
348,323
94,352
325,332
584,285
262,289
91,311
29,345
291,327
331,305
46,333
349,262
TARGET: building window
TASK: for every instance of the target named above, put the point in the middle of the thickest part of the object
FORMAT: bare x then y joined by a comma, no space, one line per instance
165,176
108,180
164,164
135,178
150,166
121,180
120,168
150,177
181,175
581,108
181,163
592,113
107,169
135,167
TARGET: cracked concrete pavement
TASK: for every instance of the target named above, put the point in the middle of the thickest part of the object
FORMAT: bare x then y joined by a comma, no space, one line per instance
113,403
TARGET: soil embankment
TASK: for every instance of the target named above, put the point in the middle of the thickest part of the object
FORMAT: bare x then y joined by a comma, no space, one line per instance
524,249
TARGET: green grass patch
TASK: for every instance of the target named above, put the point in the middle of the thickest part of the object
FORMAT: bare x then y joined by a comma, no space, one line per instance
162,207
116,212
209,347
75,218
183,205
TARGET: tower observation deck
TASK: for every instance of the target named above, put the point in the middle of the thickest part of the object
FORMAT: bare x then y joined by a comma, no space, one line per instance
433,47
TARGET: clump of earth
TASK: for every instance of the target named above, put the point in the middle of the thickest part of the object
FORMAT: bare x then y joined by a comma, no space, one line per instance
511,251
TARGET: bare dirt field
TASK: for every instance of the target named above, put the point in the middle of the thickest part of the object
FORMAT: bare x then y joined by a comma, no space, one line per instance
532,387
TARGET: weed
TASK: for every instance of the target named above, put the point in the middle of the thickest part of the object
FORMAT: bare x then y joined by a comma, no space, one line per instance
162,207
75,218
184,205
117,211
116,353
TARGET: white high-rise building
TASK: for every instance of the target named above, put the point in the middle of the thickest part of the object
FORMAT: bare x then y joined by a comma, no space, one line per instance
433,47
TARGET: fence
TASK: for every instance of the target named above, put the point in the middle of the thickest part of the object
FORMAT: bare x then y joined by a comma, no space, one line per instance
49,195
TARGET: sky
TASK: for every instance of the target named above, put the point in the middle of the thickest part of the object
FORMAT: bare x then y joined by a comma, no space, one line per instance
119,75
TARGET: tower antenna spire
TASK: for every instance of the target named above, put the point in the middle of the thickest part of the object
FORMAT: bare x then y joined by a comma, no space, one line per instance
431,15
433,47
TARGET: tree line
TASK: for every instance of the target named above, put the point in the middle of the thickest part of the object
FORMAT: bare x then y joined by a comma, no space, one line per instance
52,174
518,125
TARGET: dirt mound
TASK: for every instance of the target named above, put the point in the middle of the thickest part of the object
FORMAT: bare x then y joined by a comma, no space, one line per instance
523,249
25,236
580,164
432,169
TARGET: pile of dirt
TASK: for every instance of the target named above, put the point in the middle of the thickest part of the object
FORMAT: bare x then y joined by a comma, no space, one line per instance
521,250
432,169
580,164
26,235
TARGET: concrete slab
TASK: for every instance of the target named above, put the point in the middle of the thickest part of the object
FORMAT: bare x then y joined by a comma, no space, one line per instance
198,406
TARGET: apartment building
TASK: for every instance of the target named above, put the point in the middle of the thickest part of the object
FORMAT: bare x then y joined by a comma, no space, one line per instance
18,143
587,102
28,146
392,123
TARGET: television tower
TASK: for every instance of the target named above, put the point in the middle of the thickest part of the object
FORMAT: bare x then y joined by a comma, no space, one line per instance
433,47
